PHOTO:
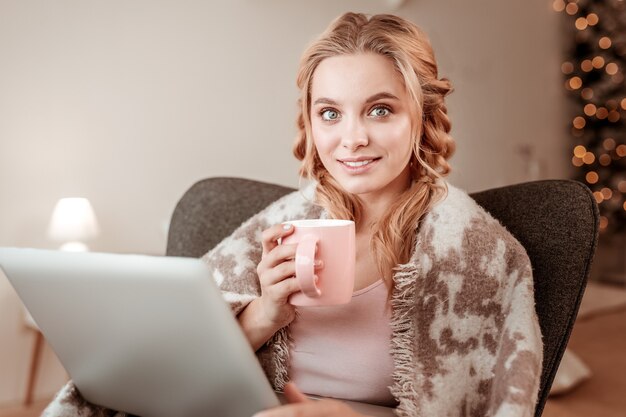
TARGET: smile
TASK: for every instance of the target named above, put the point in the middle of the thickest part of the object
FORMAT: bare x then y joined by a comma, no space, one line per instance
359,167
357,164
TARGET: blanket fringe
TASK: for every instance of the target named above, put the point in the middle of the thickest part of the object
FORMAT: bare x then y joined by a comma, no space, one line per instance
402,342
280,344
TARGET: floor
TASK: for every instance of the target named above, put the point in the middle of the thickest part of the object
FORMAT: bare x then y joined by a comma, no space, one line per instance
600,342
20,411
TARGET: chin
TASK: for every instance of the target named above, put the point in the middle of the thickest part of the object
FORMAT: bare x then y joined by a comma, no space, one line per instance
362,186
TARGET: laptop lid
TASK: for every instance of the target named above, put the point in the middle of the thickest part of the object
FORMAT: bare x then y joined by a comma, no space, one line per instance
147,335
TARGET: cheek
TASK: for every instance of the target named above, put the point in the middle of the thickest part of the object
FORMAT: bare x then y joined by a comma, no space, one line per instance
397,138
322,139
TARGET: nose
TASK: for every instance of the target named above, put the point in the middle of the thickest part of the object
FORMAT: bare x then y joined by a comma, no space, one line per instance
354,135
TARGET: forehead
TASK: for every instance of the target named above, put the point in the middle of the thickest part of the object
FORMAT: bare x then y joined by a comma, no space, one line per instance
355,77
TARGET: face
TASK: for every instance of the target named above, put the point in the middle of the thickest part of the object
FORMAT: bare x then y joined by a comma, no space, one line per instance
361,124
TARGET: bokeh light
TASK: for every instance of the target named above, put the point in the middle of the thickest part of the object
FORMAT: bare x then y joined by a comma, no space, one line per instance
567,67
592,19
579,122
598,196
608,144
580,151
592,177
611,68
604,42
558,5
605,160
571,9
597,62
575,83
590,109
581,23
587,94
604,222
589,158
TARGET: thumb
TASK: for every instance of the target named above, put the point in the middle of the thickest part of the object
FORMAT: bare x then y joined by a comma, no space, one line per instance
294,395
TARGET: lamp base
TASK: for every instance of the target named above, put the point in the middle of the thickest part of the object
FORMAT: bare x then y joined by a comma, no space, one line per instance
74,247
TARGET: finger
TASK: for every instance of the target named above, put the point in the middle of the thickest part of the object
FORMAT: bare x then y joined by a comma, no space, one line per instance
269,238
284,289
279,273
280,254
294,395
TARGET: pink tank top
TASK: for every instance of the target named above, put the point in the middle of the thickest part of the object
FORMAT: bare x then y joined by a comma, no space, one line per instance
344,351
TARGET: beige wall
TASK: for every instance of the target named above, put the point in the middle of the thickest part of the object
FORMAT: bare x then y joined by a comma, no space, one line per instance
130,102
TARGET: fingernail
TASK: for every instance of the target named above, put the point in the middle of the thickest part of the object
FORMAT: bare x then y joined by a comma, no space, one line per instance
286,226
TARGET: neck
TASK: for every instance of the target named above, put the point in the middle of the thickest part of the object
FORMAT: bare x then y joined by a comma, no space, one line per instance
374,207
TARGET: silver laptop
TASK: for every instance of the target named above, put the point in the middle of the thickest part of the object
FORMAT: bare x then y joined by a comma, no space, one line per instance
147,335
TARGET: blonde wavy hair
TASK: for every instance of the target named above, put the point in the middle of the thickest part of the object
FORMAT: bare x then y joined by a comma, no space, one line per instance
408,48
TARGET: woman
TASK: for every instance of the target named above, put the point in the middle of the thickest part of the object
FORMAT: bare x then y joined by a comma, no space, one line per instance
460,336
442,320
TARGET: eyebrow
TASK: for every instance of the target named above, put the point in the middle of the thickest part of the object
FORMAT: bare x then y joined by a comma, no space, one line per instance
375,97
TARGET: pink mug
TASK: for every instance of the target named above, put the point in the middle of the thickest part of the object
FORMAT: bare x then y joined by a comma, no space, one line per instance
332,242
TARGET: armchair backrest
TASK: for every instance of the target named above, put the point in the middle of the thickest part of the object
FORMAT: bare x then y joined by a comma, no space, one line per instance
555,220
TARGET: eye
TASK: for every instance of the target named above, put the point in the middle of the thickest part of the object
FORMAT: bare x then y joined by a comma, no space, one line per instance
329,114
380,111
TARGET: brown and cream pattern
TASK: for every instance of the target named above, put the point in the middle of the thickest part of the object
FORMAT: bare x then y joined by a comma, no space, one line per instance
466,340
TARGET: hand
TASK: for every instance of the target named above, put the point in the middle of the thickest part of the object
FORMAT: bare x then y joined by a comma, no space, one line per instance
276,273
301,406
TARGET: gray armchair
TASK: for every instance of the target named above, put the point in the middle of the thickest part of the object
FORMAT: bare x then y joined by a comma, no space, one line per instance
555,220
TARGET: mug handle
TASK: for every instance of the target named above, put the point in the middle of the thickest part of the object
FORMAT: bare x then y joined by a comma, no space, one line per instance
305,273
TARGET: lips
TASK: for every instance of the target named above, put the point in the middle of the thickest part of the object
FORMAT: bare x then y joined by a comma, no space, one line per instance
359,164
356,164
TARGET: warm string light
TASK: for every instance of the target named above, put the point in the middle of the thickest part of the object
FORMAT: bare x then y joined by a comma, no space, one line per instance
571,9
605,159
558,5
567,67
609,144
587,93
604,42
579,122
604,222
575,83
592,177
598,196
611,68
597,62
590,109
601,109
592,19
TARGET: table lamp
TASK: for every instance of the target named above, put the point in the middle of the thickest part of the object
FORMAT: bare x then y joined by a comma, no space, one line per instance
73,222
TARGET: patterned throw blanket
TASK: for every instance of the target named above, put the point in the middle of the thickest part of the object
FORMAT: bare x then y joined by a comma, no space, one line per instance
465,336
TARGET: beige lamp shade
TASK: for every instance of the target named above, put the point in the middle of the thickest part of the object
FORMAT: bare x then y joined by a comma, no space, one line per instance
73,221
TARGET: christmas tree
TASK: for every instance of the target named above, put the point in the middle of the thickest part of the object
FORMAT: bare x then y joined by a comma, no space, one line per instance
594,70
